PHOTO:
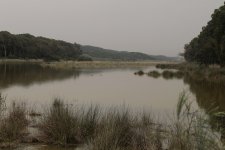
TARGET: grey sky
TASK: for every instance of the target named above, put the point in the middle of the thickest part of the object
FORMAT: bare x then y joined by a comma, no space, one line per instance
151,26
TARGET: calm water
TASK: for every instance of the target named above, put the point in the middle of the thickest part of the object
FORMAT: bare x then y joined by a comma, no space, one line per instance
37,86
107,87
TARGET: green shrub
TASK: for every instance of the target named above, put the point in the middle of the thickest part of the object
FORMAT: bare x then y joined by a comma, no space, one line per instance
84,58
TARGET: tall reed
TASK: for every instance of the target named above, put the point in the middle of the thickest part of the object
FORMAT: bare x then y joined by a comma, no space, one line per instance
13,123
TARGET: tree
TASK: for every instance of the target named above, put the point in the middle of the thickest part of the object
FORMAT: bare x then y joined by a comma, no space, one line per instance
209,46
29,46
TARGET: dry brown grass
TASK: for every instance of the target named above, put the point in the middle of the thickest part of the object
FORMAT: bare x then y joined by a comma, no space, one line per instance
101,64
117,128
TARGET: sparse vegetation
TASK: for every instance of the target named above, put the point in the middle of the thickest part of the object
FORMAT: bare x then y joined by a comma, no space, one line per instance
191,129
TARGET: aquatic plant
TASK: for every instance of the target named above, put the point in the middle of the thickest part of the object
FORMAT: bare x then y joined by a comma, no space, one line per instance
154,74
168,74
140,73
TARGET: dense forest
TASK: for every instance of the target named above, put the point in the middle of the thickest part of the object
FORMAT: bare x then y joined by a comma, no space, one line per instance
97,53
209,46
26,46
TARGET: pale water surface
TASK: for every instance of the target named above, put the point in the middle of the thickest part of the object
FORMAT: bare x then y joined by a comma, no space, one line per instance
38,86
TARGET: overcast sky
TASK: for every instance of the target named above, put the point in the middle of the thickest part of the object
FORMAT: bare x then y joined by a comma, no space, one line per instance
150,26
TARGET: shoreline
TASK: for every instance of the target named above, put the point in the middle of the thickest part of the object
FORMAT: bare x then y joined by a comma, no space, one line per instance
86,64
98,64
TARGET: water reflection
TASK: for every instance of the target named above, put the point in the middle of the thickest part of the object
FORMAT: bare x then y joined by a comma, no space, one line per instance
115,88
209,95
26,74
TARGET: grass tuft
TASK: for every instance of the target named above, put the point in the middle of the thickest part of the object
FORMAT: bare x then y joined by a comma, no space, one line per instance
13,123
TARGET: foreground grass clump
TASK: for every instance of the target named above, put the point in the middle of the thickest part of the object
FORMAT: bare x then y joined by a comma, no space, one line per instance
60,124
120,129
13,123
115,129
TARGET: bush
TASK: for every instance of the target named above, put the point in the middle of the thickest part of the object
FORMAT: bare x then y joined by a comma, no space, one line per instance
84,58
140,73
154,74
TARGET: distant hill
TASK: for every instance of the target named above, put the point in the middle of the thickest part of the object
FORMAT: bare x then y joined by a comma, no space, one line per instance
26,46
97,53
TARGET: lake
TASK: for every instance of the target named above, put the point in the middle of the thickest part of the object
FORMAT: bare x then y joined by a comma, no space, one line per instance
37,86
107,87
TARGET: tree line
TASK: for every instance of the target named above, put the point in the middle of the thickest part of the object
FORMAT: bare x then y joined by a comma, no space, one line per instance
209,46
26,46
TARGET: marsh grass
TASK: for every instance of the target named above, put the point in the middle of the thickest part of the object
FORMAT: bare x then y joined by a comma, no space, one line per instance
99,64
60,124
120,129
201,72
2,105
191,129
117,128
90,118
13,123
123,130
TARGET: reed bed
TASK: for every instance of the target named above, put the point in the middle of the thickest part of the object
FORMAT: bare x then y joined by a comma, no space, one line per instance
100,64
116,128
13,123
119,128
201,72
